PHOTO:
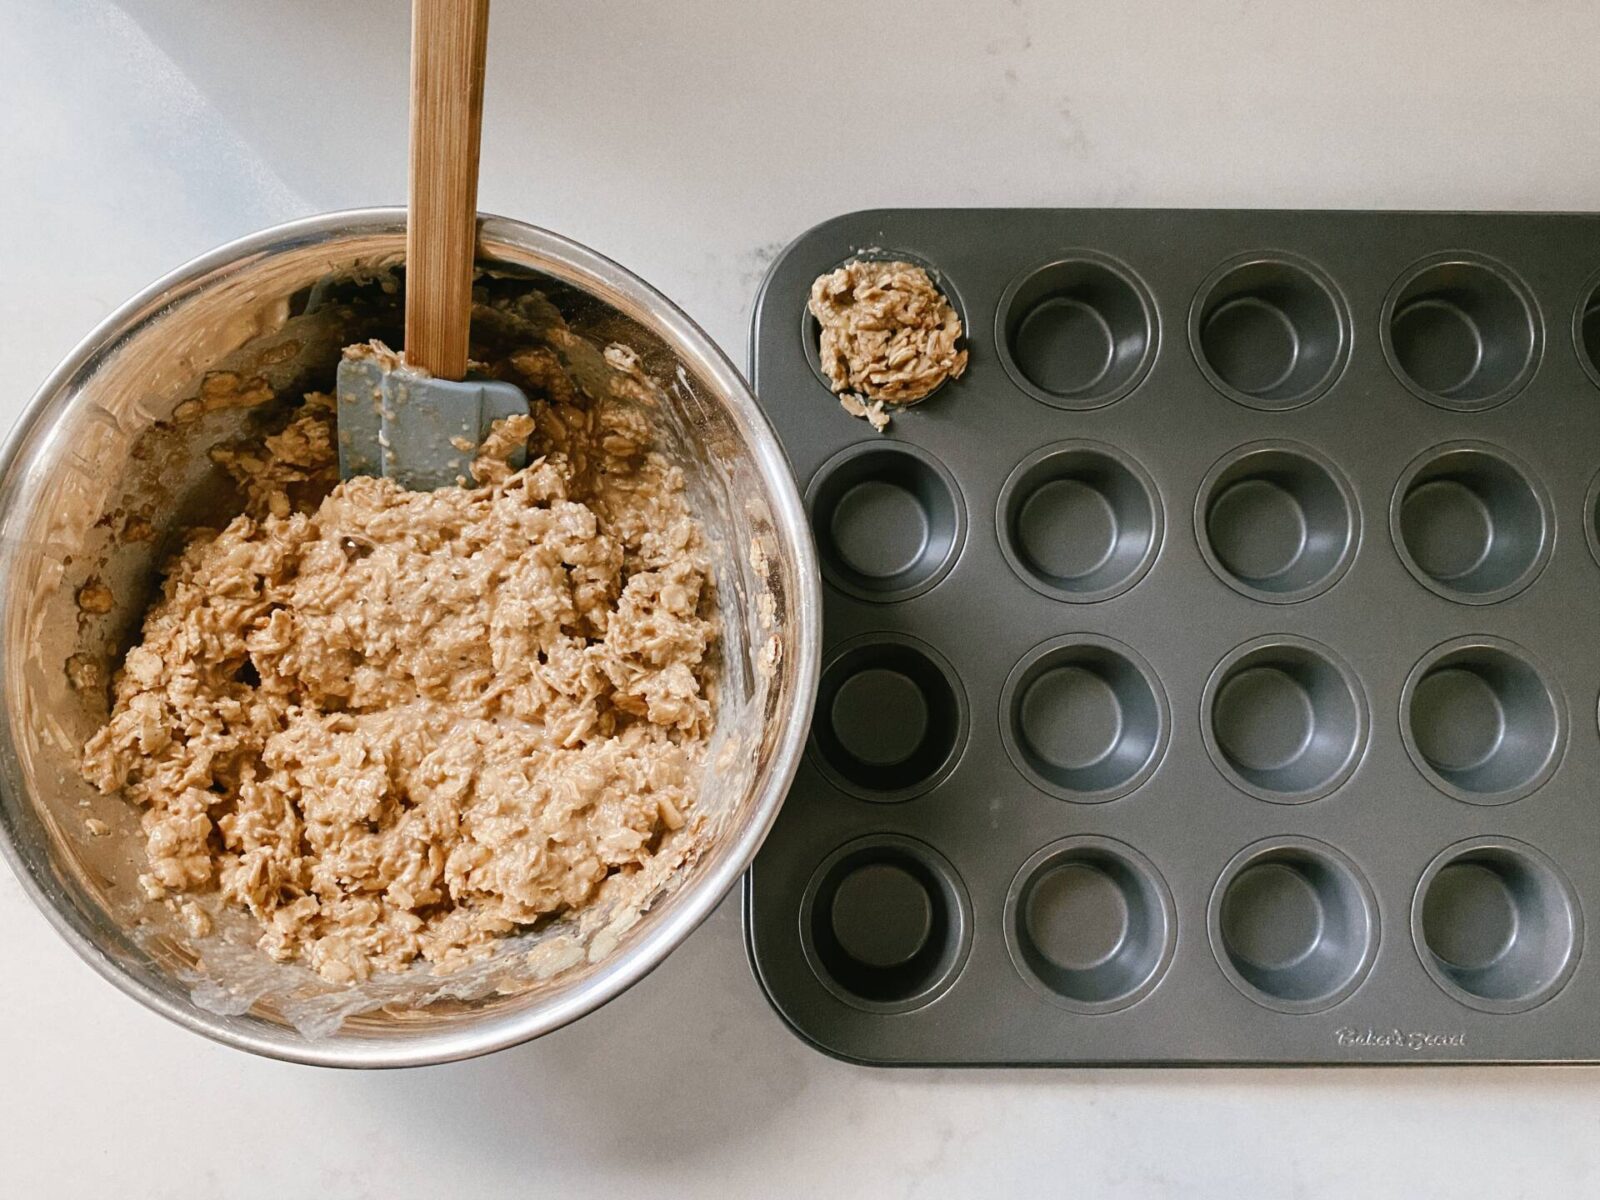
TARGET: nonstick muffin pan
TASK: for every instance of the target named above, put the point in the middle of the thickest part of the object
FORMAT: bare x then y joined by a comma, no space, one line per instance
1211,671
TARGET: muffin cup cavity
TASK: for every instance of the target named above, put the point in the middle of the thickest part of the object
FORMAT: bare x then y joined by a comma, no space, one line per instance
1277,522
1481,719
1270,331
1497,925
1285,719
1077,333
1462,332
1586,328
811,328
1084,718
886,924
1294,925
1080,521
1470,522
891,718
1090,924
1591,518
888,519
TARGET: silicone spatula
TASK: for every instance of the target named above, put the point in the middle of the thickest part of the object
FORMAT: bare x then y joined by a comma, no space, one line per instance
420,421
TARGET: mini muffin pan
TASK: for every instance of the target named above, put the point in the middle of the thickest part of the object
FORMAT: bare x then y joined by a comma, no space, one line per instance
1212,672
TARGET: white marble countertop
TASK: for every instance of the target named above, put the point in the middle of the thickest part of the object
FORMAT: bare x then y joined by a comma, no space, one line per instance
690,141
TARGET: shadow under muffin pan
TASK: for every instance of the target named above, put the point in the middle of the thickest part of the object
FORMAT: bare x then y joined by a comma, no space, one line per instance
1212,675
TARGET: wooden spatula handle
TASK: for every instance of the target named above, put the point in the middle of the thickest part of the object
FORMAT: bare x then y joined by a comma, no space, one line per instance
448,39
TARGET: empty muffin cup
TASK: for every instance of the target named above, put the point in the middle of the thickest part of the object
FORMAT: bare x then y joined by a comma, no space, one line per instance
1586,329
1497,925
1277,522
888,519
891,717
1084,718
1461,331
1293,924
1090,924
1079,521
1591,518
1481,720
886,924
1284,719
1470,523
1270,332
1077,333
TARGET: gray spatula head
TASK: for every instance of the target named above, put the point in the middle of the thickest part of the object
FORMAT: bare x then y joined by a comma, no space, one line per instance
419,431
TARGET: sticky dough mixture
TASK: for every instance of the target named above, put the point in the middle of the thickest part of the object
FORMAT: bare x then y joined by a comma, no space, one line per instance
889,336
396,725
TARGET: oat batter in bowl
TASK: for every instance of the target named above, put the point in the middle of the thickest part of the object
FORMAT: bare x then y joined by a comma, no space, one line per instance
412,777
399,724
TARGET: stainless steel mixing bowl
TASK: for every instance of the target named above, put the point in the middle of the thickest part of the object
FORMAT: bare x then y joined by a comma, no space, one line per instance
109,461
